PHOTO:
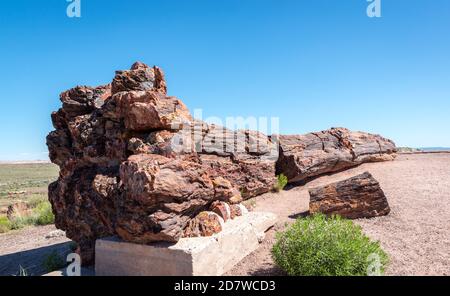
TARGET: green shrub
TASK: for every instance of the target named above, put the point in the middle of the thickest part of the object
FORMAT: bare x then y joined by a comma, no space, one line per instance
282,181
327,246
5,224
21,222
43,214
53,262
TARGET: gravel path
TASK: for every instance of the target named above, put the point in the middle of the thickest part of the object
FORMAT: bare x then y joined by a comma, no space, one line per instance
416,234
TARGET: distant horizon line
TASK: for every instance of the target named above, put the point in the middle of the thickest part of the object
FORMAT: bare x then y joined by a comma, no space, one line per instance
23,161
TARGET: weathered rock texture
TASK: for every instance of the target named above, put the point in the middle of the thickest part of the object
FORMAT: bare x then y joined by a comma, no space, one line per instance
306,156
134,163
357,197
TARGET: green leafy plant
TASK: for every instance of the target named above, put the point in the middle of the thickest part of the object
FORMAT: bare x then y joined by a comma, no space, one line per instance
53,261
5,224
282,181
20,222
43,214
327,246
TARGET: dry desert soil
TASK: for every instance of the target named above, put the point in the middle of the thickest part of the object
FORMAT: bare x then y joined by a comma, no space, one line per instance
416,234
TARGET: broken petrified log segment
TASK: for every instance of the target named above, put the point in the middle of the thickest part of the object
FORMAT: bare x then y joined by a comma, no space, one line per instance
228,211
222,209
306,156
134,163
148,110
357,197
161,195
204,224
208,223
139,77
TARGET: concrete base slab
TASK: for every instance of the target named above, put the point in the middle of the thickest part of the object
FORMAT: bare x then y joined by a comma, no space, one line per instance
207,256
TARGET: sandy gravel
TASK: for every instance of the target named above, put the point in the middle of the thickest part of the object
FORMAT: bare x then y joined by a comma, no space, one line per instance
416,234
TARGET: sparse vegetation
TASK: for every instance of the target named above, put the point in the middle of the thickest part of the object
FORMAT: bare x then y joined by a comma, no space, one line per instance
25,179
407,150
20,222
26,183
282,181
41,215
5,224
53,261
327,246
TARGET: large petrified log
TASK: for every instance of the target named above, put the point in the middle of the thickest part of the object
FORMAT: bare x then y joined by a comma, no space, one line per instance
357,197
134,163
305,156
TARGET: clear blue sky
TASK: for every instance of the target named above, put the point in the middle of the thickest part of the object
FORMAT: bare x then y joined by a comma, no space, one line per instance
313,63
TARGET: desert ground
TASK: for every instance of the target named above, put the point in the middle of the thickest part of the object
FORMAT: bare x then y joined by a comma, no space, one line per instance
416,234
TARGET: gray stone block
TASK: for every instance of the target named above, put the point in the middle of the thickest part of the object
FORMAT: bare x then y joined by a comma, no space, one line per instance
213,255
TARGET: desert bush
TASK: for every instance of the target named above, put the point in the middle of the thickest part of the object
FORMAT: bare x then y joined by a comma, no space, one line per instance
53,261
5,224
43,214
327,246
282,181
35,200
20,222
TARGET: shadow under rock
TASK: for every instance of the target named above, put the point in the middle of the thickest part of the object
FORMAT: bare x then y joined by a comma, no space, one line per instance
293,185
31,260
268,271
299,215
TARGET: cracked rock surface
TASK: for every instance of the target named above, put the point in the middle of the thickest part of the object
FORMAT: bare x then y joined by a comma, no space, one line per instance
134,163
353,198
303,157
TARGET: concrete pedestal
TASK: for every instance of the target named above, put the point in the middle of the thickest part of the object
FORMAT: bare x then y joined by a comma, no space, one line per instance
213,255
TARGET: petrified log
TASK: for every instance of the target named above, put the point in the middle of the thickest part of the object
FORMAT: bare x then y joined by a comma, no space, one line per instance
204,224
134,163
357,197
305,156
